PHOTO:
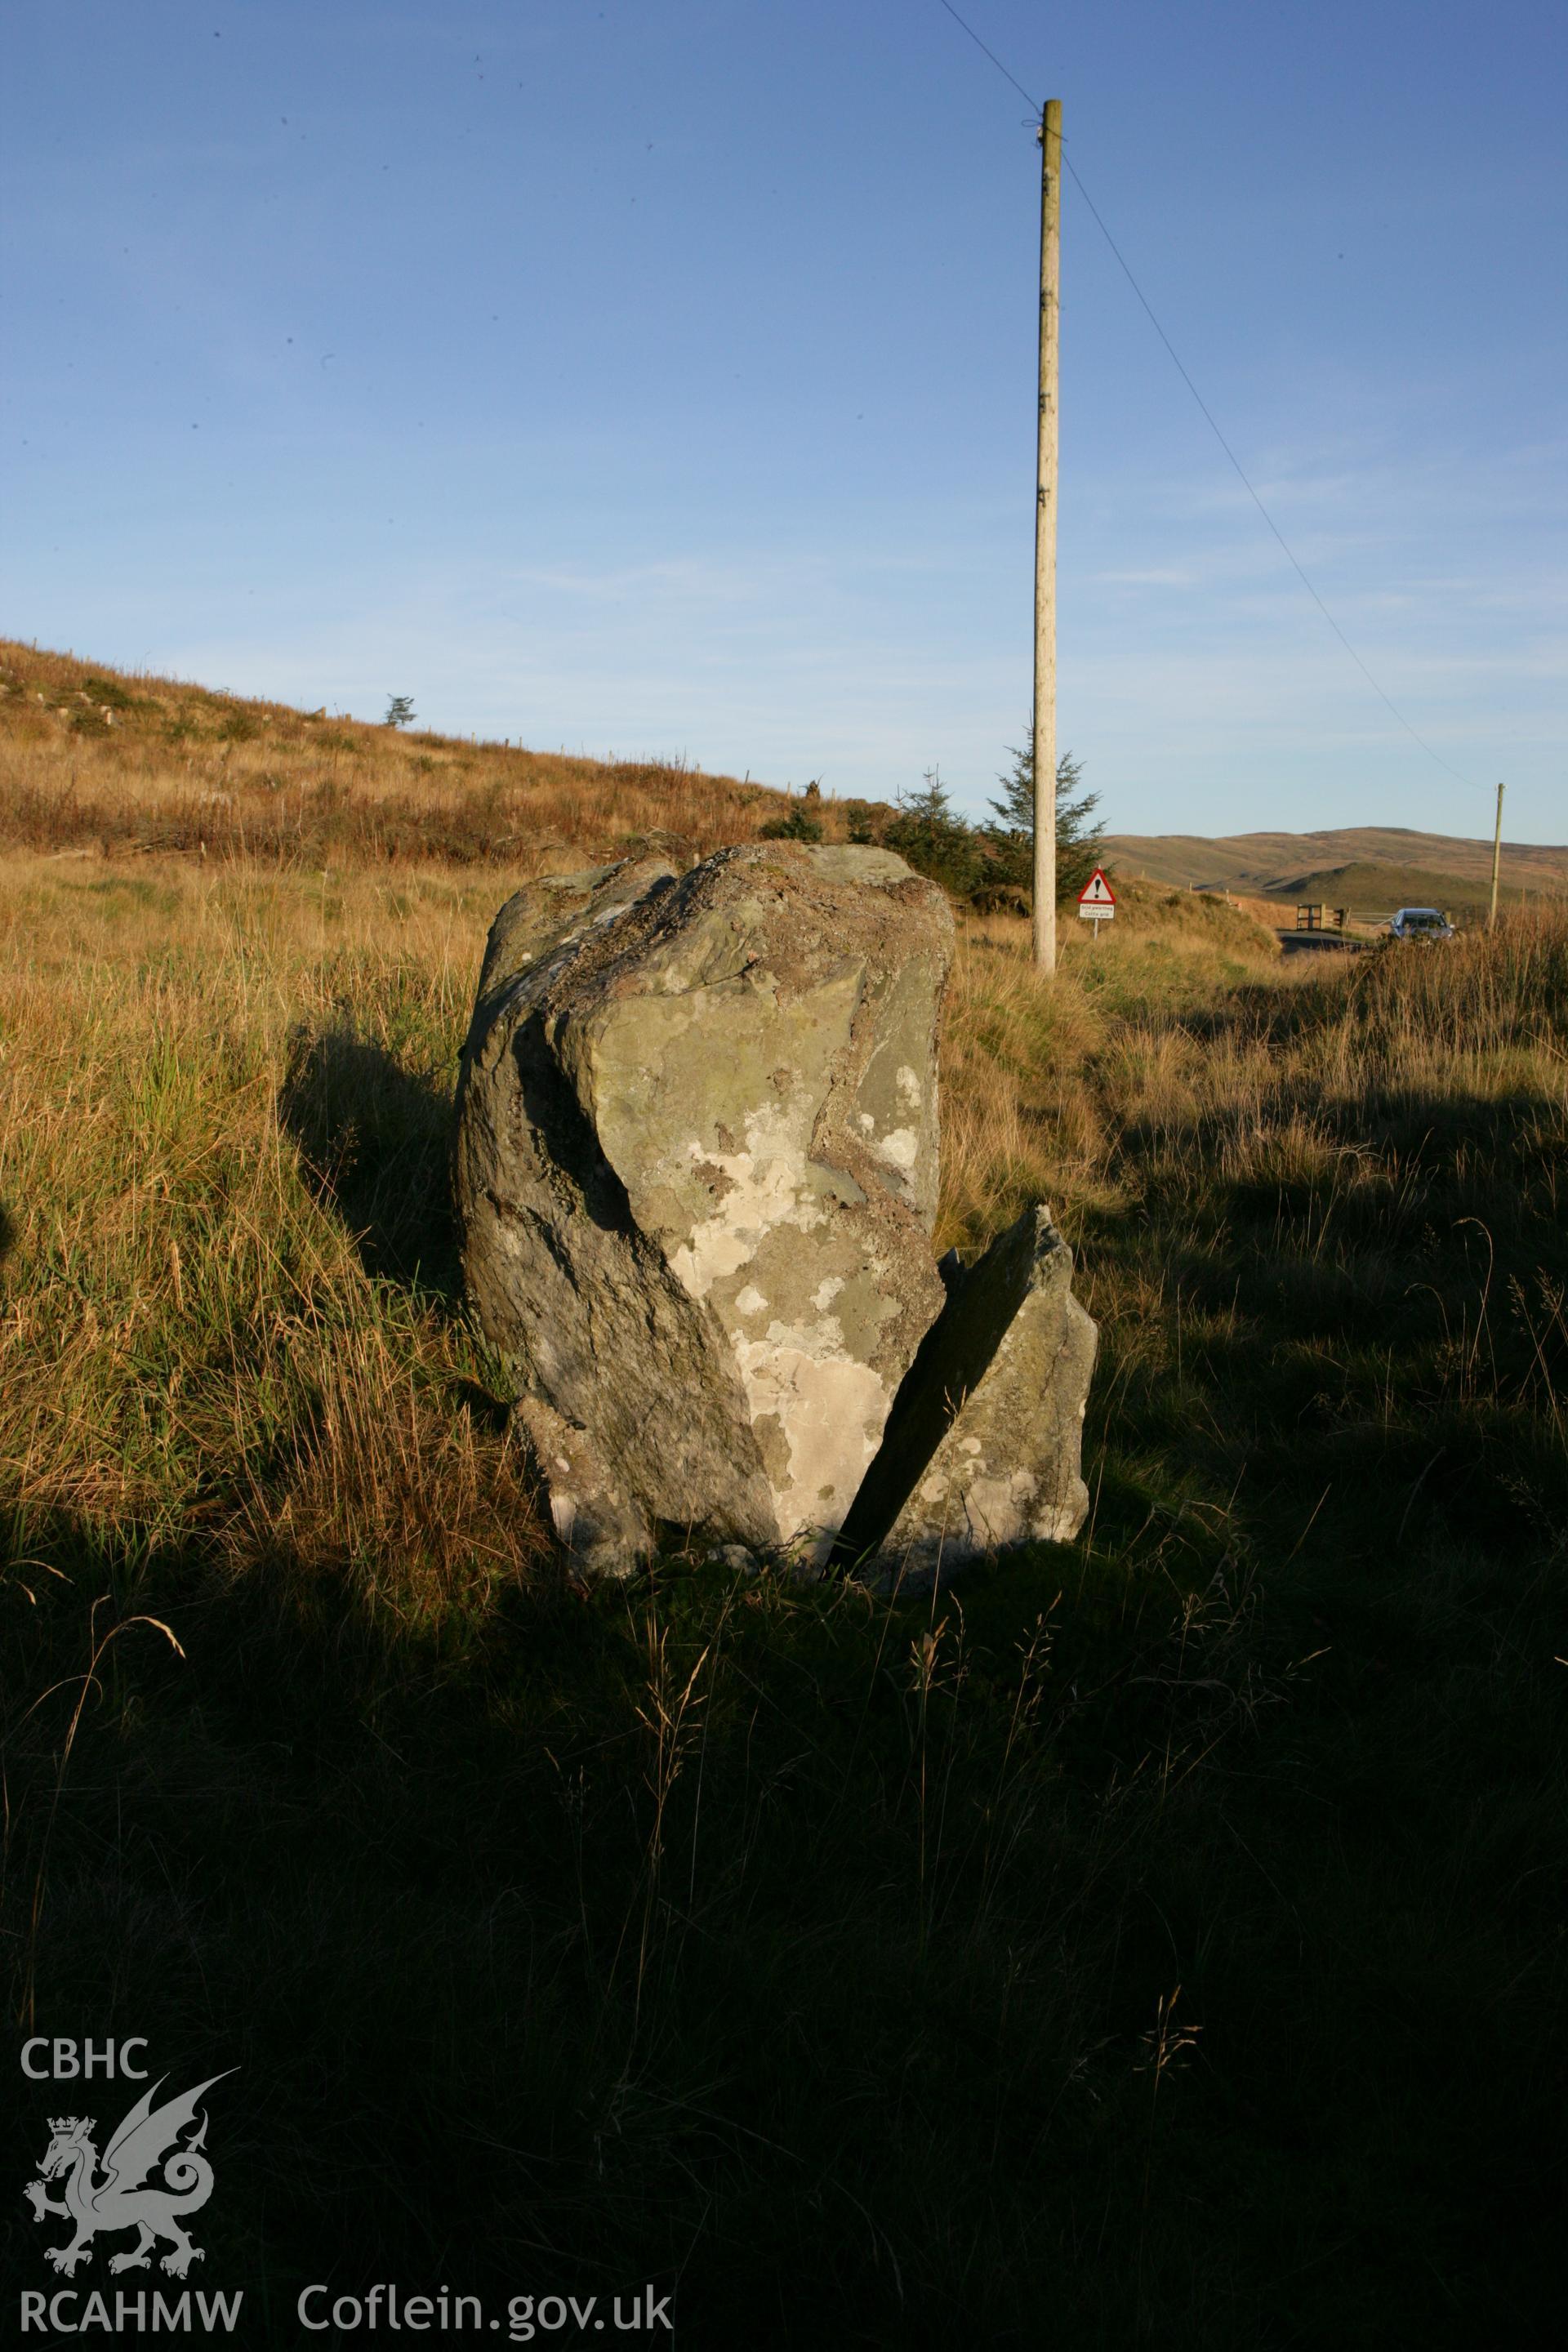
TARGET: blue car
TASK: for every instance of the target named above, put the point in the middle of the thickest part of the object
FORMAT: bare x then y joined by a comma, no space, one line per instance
1421,923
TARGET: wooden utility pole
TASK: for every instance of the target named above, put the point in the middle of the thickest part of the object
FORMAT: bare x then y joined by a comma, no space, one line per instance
1497,860
1046,543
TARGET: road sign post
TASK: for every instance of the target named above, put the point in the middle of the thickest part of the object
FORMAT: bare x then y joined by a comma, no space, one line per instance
1097,902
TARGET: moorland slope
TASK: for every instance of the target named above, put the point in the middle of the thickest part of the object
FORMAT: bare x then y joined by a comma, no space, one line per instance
131,764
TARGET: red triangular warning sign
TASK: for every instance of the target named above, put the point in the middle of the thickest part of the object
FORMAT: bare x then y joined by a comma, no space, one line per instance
1097,891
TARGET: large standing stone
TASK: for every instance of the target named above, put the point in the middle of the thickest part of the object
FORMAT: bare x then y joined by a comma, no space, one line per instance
982,1447
696,1173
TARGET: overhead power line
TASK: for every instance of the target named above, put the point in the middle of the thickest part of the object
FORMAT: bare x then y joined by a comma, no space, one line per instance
992,56
1247,482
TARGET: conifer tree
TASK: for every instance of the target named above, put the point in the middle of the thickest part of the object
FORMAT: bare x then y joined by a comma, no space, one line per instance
929,837
1012,838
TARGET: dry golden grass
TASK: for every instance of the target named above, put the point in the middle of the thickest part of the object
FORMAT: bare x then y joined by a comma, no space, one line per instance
225,1096
91,758
1038,1075
194,1346
238,947
231,1300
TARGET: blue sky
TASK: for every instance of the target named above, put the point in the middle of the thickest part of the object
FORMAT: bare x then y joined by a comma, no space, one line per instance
657,376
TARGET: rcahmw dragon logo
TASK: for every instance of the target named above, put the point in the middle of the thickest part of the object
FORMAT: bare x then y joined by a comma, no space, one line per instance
119,2200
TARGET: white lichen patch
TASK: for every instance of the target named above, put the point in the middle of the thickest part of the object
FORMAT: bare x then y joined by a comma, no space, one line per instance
751,1301
909,1087
768,1188
823,1296
901,1148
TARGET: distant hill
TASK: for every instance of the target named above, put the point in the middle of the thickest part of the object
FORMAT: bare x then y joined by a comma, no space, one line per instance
1371,870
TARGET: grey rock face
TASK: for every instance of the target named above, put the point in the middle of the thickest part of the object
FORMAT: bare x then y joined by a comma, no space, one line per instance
696,1171
982,1447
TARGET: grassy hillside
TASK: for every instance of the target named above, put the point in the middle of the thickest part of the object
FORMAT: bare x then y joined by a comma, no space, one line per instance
1154,1938
1373,868
97,759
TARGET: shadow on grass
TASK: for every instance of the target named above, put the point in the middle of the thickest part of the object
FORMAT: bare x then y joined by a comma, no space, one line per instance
1395,1169
1507,991
1362,1307
375,1142
492,2026
829,1993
